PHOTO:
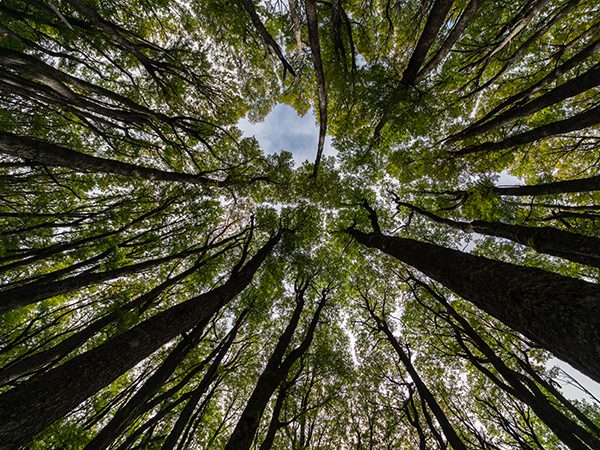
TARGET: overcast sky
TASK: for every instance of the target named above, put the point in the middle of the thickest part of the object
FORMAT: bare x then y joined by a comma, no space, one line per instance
284,129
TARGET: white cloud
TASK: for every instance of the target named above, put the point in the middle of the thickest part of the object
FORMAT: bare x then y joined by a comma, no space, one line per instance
284,129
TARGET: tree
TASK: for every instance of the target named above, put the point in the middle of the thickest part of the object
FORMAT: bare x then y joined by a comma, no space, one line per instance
167,283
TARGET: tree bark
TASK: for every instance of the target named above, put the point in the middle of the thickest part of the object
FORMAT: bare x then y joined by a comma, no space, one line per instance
573,62
559,313
315,50
30,407
424,392
577,122
552,241
464,20
568,431
571,88
435,20
55,155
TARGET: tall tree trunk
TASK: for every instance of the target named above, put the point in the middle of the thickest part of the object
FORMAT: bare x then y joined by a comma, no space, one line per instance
35,404
424,392
561,314
577,122
195,396
55,155
35,292
315,50
552,241
131,410
568,431
275,373
464,20
571,88
264,34
437,15
522,96
76,340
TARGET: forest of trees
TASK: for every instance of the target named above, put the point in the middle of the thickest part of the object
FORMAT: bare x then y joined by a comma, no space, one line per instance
167,284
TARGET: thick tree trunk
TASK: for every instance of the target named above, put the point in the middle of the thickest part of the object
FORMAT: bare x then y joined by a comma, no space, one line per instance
568,431
577,122
590,184
435,20
55,155
315,50
62,349
35,404
552,241
571,88
561,314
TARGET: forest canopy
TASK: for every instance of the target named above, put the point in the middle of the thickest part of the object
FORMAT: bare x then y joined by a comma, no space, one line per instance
165,283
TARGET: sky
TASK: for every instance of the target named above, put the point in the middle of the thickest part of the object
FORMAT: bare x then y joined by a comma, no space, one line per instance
284,129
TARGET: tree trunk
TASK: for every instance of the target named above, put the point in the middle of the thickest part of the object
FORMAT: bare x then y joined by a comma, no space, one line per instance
264,34
195,396
35,292
571,88
568,431
315,50
435,20
552,241
55,155
464,20
76,340
424,392
35,404
561,314
573,62
577,122
131,410
275,373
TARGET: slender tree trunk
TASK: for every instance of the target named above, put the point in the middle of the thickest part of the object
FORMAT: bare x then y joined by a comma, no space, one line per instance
275,373
577,122
573,62
35,404
435,20
590,184
76,340
35,292
571,88
130,410
561,314
195,396
315,48
55,155
264,34
552,241
424,392
464,20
